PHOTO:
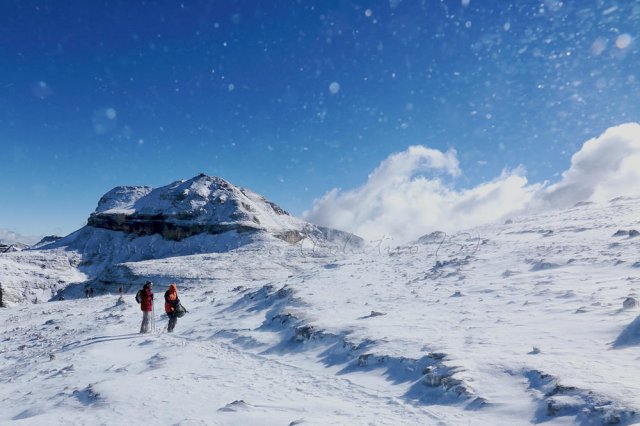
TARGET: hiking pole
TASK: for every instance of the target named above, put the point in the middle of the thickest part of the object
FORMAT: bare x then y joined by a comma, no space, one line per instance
153,316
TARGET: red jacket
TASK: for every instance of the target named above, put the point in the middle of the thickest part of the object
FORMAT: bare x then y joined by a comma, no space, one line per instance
147,300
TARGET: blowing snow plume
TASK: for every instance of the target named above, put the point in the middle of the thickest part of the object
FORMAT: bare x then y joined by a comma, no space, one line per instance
413,192
605,167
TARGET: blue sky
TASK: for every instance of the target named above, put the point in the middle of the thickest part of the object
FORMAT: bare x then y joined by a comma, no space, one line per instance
292,99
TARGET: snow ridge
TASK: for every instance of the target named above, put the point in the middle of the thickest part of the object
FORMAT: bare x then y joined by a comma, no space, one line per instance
431,379
557,400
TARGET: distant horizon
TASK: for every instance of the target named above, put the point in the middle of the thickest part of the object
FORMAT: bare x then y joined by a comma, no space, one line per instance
594,175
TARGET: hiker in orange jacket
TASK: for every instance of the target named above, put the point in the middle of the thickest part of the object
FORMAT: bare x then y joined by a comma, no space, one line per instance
170,302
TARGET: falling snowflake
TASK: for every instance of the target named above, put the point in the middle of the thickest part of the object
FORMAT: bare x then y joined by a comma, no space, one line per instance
623,41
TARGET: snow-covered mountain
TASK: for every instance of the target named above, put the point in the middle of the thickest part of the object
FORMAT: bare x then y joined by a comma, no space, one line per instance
204,204
534,320
204,214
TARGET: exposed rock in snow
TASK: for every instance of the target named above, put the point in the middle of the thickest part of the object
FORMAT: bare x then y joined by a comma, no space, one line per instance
629,303
374,314
235,406
11,248
631,233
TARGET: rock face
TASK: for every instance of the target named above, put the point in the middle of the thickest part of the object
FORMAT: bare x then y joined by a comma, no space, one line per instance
203,204
160,224
49,239
10,248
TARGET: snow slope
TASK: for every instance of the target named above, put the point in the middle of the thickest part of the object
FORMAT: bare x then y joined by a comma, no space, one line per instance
37,276
531,321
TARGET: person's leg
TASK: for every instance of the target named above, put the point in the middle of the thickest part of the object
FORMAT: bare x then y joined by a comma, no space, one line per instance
144,327
172,322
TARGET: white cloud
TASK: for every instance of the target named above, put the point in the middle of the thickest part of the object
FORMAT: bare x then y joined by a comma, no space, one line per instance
408,194
605,167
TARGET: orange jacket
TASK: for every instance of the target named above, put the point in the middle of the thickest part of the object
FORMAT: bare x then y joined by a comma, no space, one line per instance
171,299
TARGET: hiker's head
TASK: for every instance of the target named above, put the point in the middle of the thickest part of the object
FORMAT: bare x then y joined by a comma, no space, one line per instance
173,288
148,284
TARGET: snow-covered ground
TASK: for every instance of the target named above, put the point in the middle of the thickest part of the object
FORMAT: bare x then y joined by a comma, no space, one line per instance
531,321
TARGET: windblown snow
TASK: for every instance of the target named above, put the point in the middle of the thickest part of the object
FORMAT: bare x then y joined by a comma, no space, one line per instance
534,320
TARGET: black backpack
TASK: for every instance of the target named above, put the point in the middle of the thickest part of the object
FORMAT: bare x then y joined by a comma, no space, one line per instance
139,296
180,310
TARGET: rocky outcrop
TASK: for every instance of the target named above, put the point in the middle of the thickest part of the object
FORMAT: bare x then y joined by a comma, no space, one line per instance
161,224
10,248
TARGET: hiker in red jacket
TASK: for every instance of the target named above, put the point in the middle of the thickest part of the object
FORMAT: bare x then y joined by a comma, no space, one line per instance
146,305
